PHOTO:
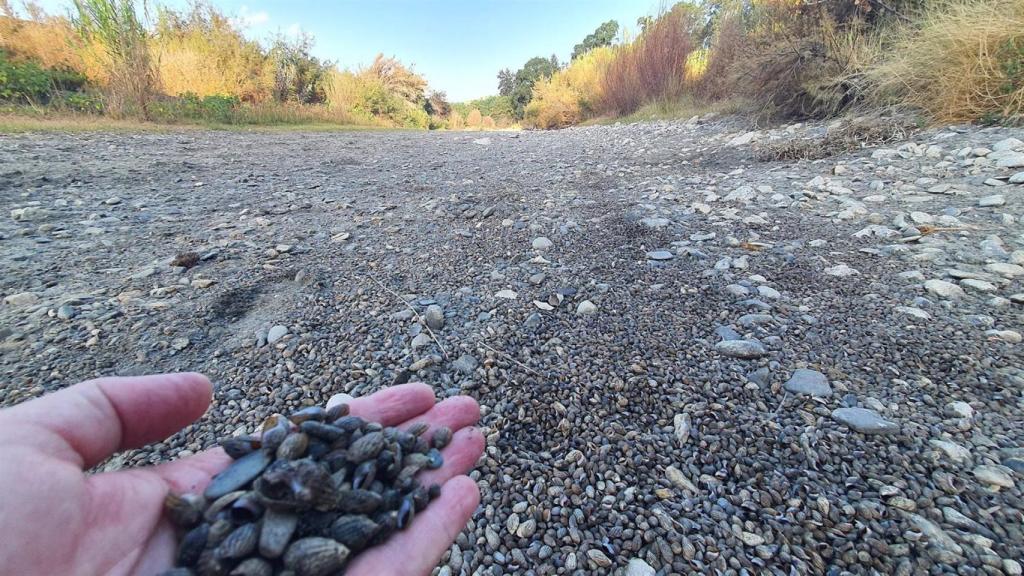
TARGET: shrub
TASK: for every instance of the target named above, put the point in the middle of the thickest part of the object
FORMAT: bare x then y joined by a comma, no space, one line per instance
963,61
474,119
22,81
653,67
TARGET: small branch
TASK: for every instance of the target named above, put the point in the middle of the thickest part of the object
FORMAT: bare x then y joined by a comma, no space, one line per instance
779,407
510,357
417,314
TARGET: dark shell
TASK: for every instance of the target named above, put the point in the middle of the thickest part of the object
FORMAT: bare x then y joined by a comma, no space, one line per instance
238,474
336,460
442,436
315,557
316,413
349,423
417,460
336,411
417,428
246,509
185,510
192,545
406,512
366,447
354,531
421,497
436,460
296,485
434,491
320,430
358,501
240,446
276,531
253,567
293,447
219,530
275,430
315,523
405,440
210,565
239,543
421,445
364,474
215,509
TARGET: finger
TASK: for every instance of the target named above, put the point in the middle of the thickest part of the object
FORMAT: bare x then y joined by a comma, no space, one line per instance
395,404
90,421
417,549
460,456
192,474
455,413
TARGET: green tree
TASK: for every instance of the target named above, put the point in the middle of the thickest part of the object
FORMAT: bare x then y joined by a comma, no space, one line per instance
437,104
506,82
603,36
522,85
298,75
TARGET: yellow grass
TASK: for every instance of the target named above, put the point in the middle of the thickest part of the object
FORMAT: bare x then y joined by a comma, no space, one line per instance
964,61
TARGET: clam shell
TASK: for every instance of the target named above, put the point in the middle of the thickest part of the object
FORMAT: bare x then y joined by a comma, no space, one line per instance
276,531
315,556
417,428
219,530
209,565
366,447
184,510
442,436
349,423
364,474
406,512
320,430
192,545
213,511
240,543
336,411
296,485
316,413
354,531
238,474
275,430
240,446
358,501
246,509
293,447
253,567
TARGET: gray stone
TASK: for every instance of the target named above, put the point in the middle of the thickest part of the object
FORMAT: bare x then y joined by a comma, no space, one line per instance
993,200
637,567
743,349
465,364
864,421
542,243
944,289
660,255
434,317
586,308
420,340
811,382
655,222
276,333
21,299
66,312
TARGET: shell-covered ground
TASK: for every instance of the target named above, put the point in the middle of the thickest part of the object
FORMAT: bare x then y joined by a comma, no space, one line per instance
697,350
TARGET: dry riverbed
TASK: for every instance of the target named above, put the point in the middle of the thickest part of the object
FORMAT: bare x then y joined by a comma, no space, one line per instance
690,358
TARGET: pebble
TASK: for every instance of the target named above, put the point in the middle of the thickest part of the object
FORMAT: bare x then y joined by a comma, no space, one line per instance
637,567
542,243
991,201
1011,336
586,308
944,289
276,333
21,299
465,364
810,382
660,255
841,271
66,312
744,349
864,421
434,317
995,477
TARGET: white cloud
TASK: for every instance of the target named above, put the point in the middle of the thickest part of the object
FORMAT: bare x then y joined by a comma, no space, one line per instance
248,18
294,30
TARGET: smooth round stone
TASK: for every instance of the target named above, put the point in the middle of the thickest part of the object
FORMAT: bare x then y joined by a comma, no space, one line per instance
660,255
586,308
434,317
743,349
276,333
810,382
637,567
864,421
541,243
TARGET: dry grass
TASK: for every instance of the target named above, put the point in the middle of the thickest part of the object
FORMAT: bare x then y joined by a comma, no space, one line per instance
651,68
849,136
963,61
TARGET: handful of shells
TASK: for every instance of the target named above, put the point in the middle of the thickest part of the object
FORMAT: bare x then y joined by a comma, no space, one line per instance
314,489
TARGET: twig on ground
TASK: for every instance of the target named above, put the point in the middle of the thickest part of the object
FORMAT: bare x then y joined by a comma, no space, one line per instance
417,314
509,356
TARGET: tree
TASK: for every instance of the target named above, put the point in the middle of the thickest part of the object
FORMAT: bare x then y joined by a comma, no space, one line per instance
522,85
437,104
603,36
298,75
506,82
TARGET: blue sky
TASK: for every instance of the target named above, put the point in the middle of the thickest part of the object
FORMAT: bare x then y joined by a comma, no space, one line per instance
458,45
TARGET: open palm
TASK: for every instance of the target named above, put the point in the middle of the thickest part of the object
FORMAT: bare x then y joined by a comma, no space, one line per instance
56,519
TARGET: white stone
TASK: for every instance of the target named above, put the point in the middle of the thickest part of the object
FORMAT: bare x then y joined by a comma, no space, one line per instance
991,201
952,450
637,567
21,299
1005,269
542,243
994,476
915,312
276,333
944,289
586,308
507,294
1011,336
840,271
1017,178
978,285
1007,144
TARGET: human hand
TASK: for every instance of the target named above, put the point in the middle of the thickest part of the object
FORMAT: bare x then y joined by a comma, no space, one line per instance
56,519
